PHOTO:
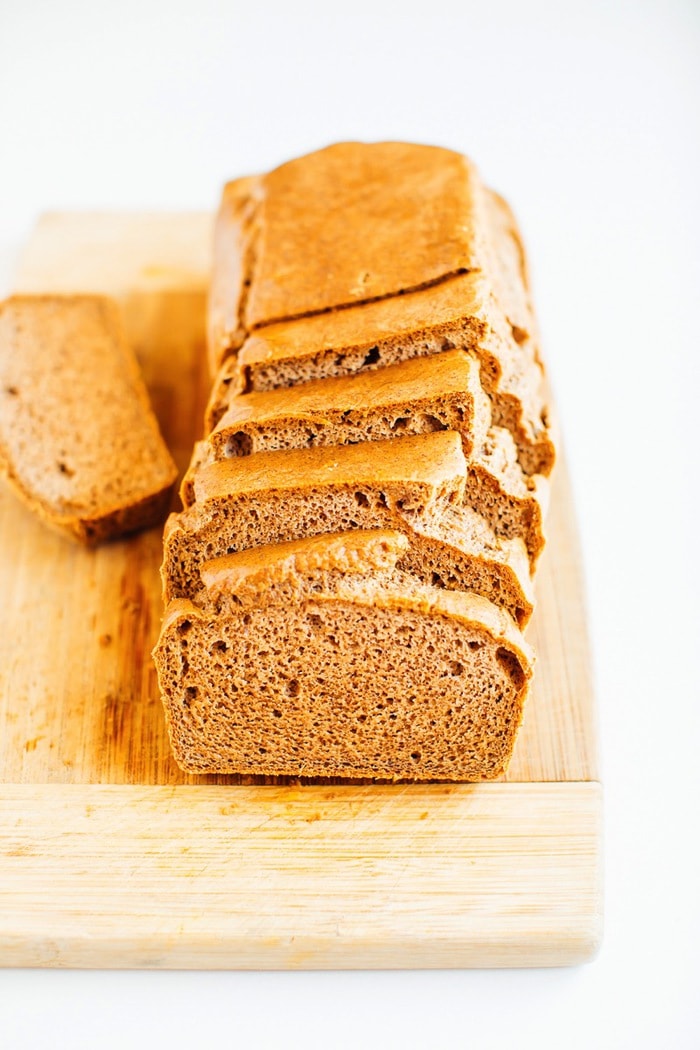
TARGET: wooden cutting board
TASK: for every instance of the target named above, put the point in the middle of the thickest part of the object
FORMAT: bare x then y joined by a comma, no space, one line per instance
110,856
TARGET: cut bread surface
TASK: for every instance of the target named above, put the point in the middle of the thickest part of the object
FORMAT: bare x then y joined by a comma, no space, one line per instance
78,439
354,674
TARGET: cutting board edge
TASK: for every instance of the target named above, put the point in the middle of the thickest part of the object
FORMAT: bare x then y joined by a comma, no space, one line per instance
529,856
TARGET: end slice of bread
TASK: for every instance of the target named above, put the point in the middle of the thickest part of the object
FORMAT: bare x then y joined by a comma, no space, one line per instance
79,442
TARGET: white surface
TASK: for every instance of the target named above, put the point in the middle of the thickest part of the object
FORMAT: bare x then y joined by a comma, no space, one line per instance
586,116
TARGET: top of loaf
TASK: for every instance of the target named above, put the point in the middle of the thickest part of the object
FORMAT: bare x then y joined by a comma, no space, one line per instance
383,218
77,433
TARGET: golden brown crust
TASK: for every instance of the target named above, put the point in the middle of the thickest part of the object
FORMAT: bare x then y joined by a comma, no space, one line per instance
372,237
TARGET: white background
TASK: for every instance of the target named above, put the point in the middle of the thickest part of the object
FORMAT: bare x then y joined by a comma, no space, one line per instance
587,117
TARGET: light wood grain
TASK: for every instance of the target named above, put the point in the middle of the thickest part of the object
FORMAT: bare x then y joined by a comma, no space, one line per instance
413,876
109,858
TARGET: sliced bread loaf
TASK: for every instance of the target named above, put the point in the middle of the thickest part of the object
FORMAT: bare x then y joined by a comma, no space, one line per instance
79,442
340,666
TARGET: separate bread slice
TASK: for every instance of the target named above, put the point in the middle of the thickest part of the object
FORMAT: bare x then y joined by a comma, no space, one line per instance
412,397
79,442
340,666
417,396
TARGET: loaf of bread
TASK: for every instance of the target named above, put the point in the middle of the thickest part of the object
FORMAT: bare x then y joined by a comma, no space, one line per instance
79,442
348,582
320,658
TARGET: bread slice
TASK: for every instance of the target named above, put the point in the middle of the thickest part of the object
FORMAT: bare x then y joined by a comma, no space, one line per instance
79,442
417,396
413,397
340,666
